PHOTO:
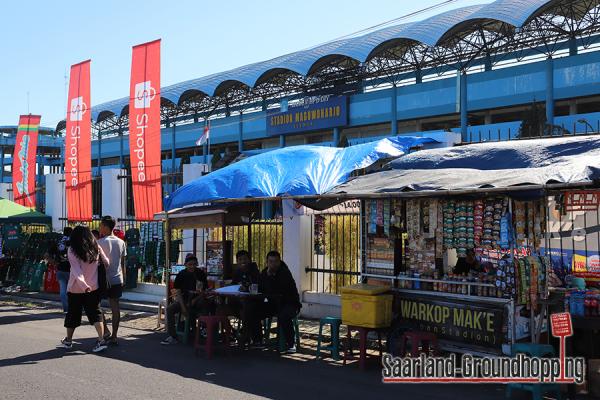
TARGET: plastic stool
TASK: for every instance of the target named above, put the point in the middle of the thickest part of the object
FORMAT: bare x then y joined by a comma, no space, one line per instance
334,347
162,313
425,340
537,390
362,346
280,339
185,333
212,323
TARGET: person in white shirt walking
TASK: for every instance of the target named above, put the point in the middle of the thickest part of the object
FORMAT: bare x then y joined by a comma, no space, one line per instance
115,251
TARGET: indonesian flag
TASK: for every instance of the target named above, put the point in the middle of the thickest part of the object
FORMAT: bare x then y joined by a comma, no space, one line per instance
205,135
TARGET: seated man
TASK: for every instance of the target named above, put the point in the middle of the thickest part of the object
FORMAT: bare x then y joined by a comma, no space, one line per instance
246,274
277,283
464,265
188,291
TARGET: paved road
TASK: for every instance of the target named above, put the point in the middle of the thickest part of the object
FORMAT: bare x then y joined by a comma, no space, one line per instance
32,368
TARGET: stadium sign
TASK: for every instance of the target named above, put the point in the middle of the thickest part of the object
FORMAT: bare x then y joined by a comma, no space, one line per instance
311,114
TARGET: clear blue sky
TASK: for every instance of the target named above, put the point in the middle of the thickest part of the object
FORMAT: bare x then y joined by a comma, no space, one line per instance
41,39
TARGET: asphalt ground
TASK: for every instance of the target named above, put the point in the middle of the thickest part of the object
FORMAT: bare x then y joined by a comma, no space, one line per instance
31,367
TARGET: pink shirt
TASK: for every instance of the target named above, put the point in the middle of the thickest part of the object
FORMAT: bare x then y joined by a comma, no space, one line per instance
83,275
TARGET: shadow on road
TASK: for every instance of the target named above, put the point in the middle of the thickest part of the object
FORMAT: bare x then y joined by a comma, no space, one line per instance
266,373
26,317
37,357
263,373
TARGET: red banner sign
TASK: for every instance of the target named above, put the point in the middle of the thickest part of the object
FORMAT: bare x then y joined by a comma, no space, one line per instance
78,145
144,130
24,160
582,200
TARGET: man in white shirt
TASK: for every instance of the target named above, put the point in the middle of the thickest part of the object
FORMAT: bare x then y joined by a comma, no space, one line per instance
115,251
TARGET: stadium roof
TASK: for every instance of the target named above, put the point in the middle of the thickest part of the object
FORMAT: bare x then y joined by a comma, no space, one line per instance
430,32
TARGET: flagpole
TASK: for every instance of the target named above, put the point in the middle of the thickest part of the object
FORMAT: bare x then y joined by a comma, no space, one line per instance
208,141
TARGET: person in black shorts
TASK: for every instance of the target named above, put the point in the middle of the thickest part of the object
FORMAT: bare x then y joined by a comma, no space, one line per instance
82,290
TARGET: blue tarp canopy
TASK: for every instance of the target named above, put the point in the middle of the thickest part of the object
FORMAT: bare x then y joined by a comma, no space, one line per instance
514,165
291,171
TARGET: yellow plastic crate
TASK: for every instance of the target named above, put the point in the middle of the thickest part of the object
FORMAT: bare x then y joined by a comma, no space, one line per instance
371,311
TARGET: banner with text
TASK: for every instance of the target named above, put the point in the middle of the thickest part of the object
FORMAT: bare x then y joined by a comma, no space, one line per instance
144,130
312,113
78,145
458,321
24,160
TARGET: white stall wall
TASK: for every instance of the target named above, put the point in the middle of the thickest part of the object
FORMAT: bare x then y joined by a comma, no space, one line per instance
114,193
55,200
190,173
5,191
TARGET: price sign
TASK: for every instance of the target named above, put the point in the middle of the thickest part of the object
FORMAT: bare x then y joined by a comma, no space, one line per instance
561,324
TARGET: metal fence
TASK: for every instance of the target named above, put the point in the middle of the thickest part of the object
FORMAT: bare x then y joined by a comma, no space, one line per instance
335,260
258,238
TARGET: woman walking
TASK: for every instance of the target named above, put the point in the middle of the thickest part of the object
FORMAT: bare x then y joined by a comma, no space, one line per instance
82,289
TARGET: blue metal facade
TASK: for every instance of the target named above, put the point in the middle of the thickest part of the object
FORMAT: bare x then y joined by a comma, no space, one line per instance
573,76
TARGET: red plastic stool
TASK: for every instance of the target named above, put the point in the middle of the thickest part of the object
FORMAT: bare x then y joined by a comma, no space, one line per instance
212,323
427,341
363,332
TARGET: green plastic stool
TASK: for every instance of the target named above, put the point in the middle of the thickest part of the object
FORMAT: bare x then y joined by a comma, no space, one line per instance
280,338
334,347
184,334
537,390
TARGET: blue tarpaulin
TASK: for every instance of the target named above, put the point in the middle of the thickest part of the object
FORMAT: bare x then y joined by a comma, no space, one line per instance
291,171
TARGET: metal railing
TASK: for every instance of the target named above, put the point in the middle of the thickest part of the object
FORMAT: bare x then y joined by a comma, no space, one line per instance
335,260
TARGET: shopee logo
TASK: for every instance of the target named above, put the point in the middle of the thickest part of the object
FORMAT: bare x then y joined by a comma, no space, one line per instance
144,94
78,109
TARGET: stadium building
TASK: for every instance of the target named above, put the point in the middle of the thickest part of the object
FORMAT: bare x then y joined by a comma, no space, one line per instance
499,71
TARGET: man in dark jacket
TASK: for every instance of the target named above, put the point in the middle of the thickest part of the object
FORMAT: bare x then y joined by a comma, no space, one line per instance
247,272
248,309
277,283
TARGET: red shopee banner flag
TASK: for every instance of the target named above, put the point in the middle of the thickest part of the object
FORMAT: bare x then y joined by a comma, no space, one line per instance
78,145
144,130
24,160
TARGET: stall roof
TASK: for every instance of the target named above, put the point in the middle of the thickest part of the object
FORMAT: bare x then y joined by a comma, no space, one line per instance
290,171
210,216
11,212
505,166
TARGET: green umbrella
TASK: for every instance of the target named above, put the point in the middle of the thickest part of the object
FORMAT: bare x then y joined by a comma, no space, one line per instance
11,212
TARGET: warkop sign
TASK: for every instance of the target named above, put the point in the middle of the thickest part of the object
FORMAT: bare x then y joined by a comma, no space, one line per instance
144,130
78,145
453,320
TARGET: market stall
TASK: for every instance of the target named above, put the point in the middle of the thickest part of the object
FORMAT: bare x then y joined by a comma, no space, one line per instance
22,244
217,258
294,171
463,237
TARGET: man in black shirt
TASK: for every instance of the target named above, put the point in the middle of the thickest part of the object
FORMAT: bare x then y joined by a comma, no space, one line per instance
277,283
247,272
464,265
63,268
248,309
188,292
